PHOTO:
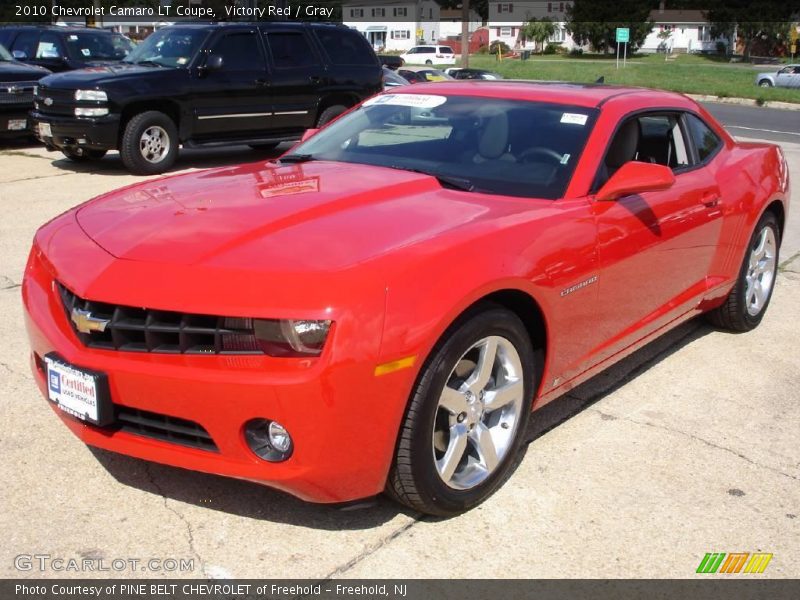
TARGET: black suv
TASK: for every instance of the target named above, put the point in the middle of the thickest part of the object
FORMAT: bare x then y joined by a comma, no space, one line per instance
16,94
207,85
64,48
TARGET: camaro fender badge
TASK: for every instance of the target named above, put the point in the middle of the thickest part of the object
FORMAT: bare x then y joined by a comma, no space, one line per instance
578,286
86,323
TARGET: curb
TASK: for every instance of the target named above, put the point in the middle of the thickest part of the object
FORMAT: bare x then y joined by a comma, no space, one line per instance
745,102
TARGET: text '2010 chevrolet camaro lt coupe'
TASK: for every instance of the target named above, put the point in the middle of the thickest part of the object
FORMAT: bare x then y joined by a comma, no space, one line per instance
381,308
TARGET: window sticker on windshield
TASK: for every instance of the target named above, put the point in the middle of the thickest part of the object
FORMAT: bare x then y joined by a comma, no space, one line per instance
182,60
86,52
413,100
565,159
574,118
73,38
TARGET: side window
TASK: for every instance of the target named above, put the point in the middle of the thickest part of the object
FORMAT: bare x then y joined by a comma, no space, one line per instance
48,47
345,48
26,42
290,49
705,140
239,52
5,38
661,142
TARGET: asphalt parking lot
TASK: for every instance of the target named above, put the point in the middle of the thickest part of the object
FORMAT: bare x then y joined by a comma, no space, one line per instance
689,446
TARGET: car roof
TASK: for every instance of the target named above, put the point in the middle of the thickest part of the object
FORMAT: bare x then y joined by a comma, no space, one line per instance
576,94
65,28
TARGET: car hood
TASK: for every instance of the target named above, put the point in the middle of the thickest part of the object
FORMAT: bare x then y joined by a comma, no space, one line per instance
17,71
312,216
101,73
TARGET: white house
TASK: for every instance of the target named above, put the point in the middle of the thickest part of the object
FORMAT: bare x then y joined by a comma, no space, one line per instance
393,24
507,18
689,31
450,22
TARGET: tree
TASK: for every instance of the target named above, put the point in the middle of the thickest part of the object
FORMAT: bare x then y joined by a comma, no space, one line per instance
764,21
538,30
593,22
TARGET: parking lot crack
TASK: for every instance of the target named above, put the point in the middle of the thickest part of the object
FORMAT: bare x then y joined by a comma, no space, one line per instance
371,549
785,264
709,443
189,527
6,283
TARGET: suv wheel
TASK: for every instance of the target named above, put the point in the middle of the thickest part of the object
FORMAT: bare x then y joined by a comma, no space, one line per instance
428,62
149,143
330,113
765,83
82,154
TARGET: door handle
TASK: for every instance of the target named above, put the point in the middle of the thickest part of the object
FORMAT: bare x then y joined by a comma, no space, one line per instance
262,82
315,79
710,200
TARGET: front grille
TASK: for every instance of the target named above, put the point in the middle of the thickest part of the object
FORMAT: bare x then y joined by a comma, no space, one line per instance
62,102
163,427
16,92
147,330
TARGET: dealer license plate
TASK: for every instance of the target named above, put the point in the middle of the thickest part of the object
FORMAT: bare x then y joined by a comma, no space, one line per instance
79,392
44,130
17,124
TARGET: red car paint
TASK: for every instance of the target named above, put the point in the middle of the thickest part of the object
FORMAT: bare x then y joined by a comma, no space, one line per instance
392,258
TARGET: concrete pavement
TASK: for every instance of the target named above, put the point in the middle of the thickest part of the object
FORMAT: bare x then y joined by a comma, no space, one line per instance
689,446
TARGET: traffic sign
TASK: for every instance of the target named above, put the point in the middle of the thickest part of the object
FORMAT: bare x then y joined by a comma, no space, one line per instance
623,35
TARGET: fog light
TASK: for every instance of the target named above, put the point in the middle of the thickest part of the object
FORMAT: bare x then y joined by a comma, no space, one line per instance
268,440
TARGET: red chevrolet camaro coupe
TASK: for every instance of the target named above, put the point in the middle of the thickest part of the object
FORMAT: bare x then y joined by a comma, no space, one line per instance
381,308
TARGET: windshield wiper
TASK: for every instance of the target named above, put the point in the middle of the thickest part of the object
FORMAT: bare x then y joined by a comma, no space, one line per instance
296,158
449,181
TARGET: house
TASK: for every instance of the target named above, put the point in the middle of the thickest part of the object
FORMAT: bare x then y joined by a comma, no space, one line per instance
450,22
680,31
507,18
393,24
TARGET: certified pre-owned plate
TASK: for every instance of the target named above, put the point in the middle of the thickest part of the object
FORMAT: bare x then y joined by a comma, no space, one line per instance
44,130
82,393
17,124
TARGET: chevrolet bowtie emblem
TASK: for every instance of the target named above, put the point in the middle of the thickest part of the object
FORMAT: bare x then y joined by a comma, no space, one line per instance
86,323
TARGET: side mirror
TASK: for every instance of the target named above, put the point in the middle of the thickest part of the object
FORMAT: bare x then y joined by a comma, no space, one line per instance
308,133
19,55
634,178
214,63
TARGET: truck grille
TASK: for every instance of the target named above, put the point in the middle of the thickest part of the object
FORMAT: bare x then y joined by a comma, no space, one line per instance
61,102
134,329
16,92
165,428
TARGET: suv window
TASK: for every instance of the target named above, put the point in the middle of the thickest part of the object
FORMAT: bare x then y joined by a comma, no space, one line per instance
48,47
5,38
239,51
446,50
705,140
290,49
344,48
426,50
26,42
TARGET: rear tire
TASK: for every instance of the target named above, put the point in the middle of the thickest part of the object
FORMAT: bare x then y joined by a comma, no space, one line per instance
149,144
444,462
747,302
765,83
330,113
428,62
83,154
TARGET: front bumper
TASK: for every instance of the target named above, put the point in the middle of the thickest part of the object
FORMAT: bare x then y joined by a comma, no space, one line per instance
342,418
72,132
9,114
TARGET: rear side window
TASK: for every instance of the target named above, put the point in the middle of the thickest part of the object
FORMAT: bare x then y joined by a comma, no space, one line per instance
290,49
705,140
345,48
446,50
239,52
426,50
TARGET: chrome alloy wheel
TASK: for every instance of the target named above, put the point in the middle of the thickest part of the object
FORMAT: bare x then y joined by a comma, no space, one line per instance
478,412
154,144
761,271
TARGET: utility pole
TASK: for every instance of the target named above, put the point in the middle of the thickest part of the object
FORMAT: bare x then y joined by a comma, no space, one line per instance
464,33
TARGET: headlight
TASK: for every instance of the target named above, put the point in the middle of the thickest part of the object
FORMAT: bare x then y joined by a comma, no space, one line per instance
91,112
91,95
291,338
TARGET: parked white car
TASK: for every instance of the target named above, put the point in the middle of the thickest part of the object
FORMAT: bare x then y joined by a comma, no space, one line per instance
429,55
788,77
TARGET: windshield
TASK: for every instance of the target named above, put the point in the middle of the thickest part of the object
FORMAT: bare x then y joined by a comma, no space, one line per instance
168,48
4,54
85,46
507,147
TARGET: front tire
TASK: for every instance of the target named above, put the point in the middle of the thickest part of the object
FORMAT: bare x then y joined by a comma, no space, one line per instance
747,302
765,83
467,416
329,114
149,144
